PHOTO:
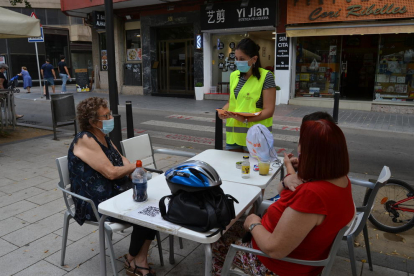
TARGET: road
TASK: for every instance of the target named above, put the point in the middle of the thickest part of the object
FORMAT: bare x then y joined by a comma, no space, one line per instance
188,124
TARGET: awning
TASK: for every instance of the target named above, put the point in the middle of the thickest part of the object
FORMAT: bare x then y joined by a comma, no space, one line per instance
377,27
17,25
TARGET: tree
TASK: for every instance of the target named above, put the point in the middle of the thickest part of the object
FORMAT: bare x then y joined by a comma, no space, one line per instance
15,2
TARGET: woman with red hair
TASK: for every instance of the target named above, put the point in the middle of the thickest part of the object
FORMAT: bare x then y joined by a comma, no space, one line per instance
303,223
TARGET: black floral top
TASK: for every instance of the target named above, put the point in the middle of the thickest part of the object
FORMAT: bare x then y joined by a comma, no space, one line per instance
89,183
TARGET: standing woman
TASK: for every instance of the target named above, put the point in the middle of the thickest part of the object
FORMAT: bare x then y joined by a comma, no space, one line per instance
252,89
27,79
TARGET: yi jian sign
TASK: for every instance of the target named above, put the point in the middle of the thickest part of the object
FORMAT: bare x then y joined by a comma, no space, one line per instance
233,15
299,11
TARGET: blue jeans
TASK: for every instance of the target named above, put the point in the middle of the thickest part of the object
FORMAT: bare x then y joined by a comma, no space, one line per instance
64,78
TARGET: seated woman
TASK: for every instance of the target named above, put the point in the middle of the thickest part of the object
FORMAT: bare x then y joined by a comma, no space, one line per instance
95,167
303,223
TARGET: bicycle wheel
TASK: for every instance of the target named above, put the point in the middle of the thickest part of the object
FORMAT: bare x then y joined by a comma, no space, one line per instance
384,216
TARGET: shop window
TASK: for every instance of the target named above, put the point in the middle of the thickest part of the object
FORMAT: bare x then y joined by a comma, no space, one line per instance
317,66
394,76
133,45
102,50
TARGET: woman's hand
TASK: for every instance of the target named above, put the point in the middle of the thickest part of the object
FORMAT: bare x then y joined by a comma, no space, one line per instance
236,117
223,115
250,220
286,159
292,181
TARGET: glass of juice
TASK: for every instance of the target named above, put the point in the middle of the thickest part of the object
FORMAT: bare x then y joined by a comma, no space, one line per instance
264,167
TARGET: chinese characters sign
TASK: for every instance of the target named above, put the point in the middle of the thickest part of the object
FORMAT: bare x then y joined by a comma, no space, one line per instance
232,15
305,11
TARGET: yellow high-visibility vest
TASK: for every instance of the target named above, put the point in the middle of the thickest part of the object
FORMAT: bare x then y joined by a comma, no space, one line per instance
236,131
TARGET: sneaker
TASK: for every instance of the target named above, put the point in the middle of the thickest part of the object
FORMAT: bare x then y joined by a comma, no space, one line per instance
275,198
19,116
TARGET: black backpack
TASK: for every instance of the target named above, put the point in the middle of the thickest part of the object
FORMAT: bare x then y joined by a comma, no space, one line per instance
200,211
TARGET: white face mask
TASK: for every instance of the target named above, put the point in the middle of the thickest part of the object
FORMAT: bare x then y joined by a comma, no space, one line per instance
107,126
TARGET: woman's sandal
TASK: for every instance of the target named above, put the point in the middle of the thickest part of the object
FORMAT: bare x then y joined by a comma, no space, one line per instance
133,271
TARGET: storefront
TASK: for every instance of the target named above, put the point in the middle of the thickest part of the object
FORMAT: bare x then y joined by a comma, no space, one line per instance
364,50
223,26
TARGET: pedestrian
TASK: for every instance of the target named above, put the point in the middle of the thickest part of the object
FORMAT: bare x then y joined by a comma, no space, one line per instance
63,73
27,79
252,89
4,84
48,73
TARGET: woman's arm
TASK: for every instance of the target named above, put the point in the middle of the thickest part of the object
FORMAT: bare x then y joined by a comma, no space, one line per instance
1,83
225,116
124,159
91,153
287,235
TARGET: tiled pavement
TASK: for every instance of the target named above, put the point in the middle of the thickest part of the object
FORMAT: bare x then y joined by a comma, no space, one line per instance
31,220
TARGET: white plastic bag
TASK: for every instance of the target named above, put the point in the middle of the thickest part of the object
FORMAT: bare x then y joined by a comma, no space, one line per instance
259,141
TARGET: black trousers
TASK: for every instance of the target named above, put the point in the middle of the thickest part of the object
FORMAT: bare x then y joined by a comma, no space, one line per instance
139,235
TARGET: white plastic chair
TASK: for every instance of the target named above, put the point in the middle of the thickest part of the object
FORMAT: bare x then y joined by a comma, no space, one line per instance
362,214
110,227
326,263
140,148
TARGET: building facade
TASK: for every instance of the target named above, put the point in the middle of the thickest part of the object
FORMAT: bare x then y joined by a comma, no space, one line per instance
362,49
165,49
63,35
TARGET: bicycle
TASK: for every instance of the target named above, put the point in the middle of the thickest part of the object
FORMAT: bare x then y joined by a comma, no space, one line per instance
393,209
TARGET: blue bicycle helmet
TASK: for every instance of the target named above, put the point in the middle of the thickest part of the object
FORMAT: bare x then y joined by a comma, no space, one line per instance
192,176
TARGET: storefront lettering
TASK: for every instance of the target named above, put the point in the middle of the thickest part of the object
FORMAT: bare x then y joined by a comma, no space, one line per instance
220,16
253,12
317,14
358,10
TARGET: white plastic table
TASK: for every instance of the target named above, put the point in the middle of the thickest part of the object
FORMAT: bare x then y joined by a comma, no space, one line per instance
224,162
121,206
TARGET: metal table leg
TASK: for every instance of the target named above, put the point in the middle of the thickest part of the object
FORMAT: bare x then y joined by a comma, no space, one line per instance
102,245
171,240
208,255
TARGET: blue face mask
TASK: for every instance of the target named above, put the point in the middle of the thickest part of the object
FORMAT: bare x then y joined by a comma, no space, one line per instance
107,126
243,66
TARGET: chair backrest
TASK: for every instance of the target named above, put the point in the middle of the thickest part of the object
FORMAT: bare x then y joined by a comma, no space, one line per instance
139,148
366,209
64,183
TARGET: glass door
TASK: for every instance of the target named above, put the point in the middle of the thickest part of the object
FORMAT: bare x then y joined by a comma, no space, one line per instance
176,70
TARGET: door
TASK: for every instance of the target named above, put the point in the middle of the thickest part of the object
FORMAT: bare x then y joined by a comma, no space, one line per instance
358,65
176,69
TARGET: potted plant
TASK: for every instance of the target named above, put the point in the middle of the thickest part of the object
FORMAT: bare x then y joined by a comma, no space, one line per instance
199,93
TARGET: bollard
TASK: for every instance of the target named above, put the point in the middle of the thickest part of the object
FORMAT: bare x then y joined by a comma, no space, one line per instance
47,90
336,107
129,119
218,137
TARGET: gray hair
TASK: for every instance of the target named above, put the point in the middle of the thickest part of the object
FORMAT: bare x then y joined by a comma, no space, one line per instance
4,66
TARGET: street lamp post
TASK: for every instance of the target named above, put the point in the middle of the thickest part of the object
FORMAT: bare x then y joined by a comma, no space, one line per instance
116,135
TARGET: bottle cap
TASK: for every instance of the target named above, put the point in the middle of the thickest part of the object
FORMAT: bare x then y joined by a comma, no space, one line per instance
139,163
246,157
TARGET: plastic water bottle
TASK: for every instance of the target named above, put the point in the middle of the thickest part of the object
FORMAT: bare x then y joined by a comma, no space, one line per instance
139,178
245,169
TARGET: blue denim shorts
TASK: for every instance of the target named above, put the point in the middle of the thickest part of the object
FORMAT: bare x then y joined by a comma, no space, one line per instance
236,147
51,81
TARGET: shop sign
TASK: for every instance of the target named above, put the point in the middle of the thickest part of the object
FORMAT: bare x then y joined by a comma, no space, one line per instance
233,15
305,11
98,19
282,52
